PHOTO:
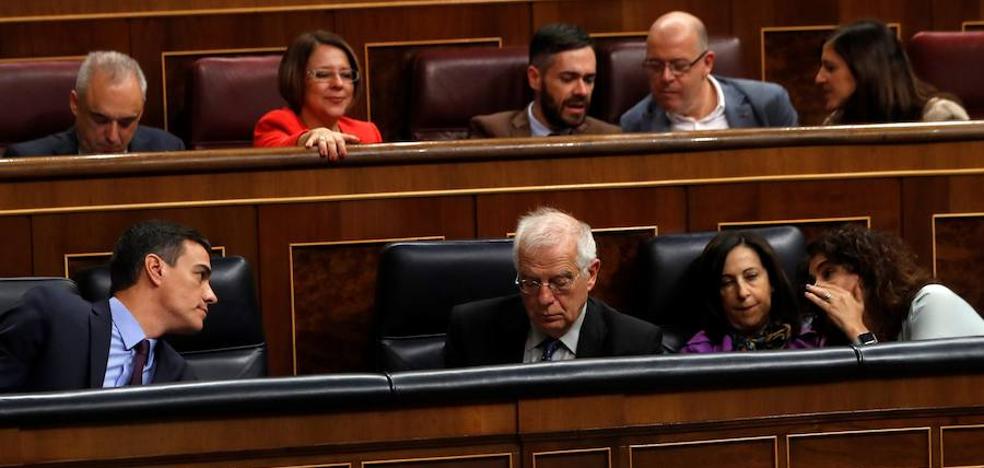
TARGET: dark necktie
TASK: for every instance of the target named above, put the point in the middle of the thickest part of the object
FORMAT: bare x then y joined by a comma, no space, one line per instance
139,360
550,346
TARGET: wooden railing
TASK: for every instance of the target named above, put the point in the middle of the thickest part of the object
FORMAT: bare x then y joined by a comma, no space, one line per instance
313,229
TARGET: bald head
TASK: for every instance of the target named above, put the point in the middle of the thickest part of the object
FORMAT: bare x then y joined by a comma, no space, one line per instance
678,64
679,27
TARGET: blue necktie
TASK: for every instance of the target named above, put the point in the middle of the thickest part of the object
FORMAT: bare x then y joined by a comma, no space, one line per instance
550,346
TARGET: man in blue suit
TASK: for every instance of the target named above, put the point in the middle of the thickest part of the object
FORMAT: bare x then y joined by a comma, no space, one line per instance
686,96
108,101
55,340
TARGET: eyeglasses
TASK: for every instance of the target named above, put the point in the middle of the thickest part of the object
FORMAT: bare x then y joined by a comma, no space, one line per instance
677,67
324,76
557,285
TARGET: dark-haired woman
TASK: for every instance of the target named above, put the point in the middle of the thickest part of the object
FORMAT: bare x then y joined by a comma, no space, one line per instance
746,302
866,78
319,78
871,289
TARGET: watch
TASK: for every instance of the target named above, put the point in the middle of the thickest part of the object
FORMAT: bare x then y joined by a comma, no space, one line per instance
866,338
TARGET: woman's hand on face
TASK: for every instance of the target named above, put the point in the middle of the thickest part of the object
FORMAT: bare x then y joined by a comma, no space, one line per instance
845,308
330,144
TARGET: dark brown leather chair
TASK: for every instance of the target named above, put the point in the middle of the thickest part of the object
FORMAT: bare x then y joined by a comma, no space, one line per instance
952,62
622,82
35,99
228,95
451,85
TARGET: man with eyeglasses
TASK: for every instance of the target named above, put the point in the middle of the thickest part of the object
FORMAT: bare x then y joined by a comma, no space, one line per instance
562,75
552,318
684,94
108,101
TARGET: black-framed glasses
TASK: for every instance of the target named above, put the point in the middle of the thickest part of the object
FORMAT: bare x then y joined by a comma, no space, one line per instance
677,67
322,75
556,285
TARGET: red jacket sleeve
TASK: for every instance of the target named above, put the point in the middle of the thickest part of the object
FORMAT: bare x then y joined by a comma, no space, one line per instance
277,128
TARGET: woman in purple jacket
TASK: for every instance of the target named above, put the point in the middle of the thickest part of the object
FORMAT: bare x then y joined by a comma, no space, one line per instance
745,300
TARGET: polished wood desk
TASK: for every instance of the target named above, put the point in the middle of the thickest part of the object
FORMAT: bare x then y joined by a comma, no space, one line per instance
313,229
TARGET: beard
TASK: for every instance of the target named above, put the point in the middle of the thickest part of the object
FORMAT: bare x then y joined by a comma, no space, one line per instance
552,110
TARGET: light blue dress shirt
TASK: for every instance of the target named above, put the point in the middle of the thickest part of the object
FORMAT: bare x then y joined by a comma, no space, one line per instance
122,347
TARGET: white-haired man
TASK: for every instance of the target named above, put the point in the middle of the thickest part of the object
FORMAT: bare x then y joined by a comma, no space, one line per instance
108,101
552,318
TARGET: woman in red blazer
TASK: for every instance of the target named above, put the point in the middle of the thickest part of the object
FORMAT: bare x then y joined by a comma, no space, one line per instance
318,77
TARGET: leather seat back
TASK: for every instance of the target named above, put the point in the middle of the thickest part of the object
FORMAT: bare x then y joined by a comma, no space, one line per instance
449,86
228,96
953,62
232,344
35,99
418,285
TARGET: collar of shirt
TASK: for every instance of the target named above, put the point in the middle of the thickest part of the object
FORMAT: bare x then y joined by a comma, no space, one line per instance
127,324
126,333
569,339
537,128
711,121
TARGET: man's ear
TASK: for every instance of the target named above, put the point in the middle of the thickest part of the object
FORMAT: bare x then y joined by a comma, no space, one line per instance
154,268
73,102
709,61
534,78
593,268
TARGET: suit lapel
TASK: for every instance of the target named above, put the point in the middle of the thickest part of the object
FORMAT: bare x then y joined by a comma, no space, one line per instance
100,330
166,369
591,340
520,124
737,110
517,328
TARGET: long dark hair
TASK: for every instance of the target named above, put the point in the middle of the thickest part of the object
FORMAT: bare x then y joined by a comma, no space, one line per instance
706,278
886,90
890,277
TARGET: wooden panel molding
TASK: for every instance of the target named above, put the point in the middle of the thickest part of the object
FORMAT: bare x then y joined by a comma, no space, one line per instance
960,445
574,458
958,260
332,290
903,447
757,452
490,460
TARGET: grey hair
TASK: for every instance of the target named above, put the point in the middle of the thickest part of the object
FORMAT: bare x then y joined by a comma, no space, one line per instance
118,65
546,227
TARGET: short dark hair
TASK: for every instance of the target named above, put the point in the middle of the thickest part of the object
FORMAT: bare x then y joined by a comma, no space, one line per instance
553,39
706,277
163,238
292,73
886,89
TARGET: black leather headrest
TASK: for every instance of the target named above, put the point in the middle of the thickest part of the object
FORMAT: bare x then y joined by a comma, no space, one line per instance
278,395
420,282
666,259
11,289
925,356
626,374
233,321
